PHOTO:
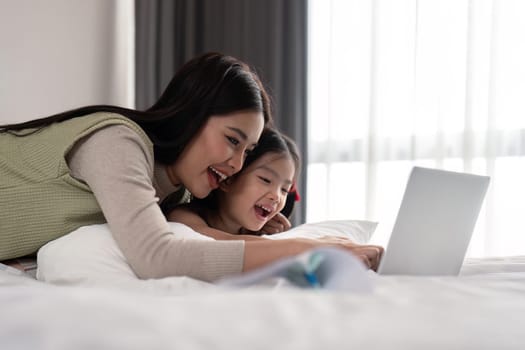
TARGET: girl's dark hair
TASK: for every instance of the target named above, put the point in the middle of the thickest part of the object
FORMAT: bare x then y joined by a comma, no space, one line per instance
211,84
271,141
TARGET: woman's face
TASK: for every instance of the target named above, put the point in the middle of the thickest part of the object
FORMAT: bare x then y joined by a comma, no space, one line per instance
217,151
253,197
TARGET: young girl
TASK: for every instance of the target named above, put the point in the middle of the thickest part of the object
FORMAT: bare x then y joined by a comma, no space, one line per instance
247,201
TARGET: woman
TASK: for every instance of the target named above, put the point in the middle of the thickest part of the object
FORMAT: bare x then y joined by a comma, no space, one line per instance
109,164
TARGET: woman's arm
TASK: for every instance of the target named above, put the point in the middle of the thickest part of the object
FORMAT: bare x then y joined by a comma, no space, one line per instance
259,251
117,166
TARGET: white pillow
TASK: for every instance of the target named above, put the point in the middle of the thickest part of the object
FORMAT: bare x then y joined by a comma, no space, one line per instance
91,255
359,231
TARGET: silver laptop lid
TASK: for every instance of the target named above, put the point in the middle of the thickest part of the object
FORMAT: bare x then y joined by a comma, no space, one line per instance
435,223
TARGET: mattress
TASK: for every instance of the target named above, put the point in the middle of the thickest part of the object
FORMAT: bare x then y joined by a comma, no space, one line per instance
483,308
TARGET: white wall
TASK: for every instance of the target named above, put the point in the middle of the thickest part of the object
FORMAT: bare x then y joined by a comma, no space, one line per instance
61,54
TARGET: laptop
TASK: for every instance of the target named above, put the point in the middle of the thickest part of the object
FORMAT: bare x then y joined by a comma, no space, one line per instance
434,224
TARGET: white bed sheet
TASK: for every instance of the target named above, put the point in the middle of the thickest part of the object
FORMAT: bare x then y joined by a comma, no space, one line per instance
484,308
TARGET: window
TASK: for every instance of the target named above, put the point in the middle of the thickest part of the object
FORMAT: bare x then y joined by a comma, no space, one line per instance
436,83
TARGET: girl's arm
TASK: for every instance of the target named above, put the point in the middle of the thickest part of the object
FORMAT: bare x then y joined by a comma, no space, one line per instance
193,220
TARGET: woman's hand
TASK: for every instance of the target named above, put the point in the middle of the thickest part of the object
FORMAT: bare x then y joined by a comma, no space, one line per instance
370,255
261,252
279,223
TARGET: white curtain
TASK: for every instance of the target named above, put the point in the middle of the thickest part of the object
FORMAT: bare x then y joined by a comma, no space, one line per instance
436,83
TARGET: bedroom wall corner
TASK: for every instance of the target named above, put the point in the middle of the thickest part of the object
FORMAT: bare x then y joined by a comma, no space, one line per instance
61,54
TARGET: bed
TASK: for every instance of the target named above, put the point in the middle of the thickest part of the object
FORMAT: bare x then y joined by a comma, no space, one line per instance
483,308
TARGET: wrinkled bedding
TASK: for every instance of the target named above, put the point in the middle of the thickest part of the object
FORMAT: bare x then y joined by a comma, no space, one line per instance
483,308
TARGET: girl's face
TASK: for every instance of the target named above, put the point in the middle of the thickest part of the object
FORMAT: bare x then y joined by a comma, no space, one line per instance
253,197
217,151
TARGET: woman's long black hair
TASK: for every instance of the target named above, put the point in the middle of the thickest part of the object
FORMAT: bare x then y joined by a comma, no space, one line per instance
211,84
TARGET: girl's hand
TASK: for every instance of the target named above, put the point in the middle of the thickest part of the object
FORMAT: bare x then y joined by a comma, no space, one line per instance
278,223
